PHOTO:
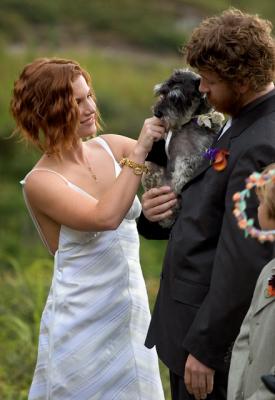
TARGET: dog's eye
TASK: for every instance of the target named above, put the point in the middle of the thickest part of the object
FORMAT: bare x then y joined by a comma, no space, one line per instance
175,94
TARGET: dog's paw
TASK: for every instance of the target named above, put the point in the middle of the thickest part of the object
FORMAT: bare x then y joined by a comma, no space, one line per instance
167,222
154,178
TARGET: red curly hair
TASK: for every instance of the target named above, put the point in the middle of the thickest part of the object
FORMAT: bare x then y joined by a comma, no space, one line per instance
43,104
237,46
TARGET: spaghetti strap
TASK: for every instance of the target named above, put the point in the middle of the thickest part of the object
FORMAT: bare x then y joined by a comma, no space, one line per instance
105,145
23,181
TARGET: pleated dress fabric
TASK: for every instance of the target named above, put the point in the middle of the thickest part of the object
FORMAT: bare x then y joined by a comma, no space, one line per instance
94,324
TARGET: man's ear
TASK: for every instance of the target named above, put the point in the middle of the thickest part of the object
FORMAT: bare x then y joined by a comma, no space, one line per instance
243,87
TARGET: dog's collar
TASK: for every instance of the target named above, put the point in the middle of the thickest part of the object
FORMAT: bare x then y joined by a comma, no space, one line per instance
167,139
206,120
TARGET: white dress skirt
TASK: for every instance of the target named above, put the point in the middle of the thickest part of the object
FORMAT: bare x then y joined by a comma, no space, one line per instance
93,327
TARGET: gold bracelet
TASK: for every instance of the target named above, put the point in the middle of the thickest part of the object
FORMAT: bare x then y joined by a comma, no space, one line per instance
137,168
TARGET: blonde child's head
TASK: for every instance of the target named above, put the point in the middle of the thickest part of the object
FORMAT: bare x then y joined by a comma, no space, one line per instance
266,208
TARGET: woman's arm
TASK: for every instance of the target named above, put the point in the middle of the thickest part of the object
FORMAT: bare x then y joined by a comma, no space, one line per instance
55,199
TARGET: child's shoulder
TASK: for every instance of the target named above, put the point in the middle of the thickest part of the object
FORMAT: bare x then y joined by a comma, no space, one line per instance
262,296
268,270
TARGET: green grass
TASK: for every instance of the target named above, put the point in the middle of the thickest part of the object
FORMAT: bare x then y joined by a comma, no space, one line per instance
151,254
23,292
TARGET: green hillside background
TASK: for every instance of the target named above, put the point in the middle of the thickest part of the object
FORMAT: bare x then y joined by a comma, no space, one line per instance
128,46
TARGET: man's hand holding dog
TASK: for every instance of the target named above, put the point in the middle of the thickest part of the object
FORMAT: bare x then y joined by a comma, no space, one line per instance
198,378
157,203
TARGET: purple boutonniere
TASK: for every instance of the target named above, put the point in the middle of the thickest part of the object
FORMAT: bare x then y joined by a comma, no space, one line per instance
217,157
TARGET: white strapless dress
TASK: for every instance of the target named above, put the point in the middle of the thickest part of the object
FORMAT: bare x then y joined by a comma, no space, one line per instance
93,327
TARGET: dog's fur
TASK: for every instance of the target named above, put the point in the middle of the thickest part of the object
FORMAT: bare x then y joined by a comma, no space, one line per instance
178,105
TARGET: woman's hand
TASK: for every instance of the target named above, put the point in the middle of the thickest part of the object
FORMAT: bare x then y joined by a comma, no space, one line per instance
153,130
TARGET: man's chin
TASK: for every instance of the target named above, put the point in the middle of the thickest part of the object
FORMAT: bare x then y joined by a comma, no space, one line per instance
217,107
223,108
210,102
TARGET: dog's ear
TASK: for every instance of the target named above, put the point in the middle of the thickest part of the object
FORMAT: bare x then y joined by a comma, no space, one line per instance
176,95
157,89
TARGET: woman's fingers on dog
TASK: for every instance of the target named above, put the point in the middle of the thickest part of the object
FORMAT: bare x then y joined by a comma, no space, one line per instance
154,126
152,130
157,203
158,121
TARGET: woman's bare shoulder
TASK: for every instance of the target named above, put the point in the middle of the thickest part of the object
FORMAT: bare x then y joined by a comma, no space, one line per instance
41,182
113,138
120,145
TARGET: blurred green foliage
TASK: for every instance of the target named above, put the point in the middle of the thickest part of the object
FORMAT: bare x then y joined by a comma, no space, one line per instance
160,25
139,22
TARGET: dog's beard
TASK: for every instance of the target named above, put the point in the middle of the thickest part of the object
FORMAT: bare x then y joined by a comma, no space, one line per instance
204,106
178,113
175,120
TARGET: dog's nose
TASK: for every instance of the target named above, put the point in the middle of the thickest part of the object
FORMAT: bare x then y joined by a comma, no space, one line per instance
158,114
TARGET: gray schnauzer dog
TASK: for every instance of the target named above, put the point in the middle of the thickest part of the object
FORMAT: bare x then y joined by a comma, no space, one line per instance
191,126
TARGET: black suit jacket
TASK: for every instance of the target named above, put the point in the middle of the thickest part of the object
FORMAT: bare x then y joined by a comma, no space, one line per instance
210,268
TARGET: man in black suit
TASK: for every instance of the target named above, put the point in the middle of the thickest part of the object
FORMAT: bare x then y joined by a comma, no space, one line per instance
210,268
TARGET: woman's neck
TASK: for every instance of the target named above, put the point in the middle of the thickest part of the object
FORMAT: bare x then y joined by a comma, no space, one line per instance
75,154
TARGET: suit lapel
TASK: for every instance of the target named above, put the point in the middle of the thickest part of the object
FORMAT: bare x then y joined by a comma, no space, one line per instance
251,116
244,121
222,143
262,302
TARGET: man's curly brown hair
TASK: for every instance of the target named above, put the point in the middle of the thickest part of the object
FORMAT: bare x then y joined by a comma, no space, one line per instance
43,105
237,46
